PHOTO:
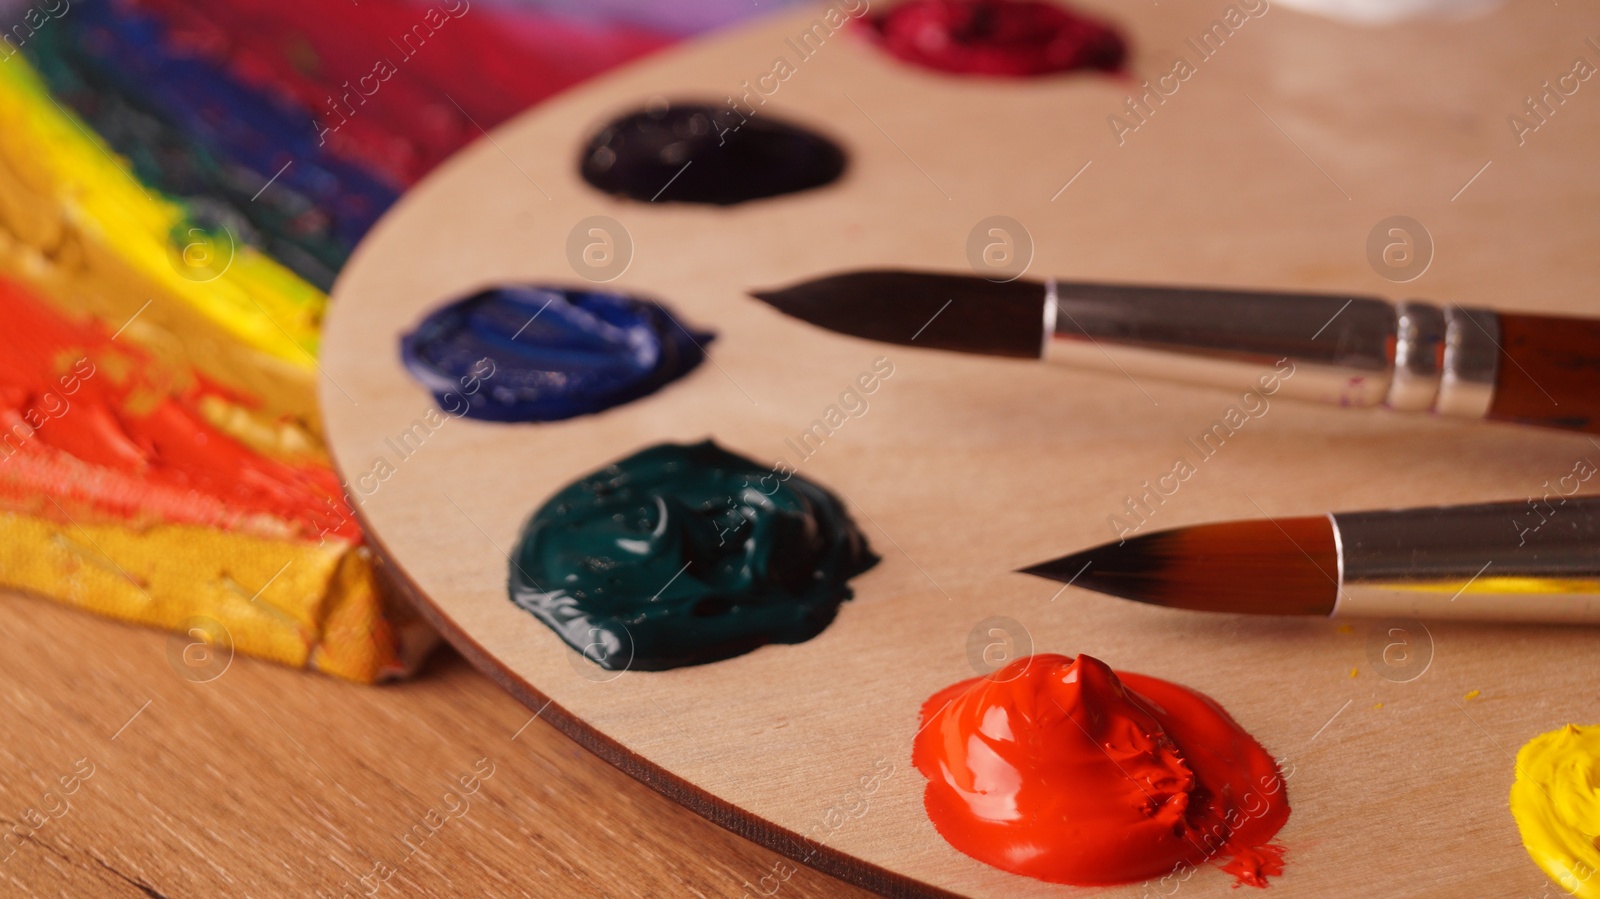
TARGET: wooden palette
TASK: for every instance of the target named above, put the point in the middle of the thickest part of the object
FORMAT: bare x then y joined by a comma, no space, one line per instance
1268,167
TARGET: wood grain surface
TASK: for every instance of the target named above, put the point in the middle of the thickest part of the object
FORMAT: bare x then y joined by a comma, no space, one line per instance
272,782
1279,158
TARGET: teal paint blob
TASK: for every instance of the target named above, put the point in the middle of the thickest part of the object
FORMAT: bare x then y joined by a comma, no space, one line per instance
683,554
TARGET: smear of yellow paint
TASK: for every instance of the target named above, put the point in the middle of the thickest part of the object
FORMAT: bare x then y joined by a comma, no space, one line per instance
1556,801
1378,706
1353,672
316,606
1474,694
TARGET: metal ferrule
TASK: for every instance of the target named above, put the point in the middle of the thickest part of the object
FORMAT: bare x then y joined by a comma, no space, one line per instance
1418,357
1536,561
1344,350
1471,362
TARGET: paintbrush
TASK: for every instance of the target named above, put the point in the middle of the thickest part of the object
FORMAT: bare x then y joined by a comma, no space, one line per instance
1346,350
1520,561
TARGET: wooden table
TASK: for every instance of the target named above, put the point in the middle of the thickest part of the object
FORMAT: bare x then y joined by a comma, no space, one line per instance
272,782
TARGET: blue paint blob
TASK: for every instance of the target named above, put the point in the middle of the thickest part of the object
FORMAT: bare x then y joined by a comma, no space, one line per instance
555,353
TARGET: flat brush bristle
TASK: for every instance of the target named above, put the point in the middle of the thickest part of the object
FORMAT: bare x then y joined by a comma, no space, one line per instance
1284,567
937,311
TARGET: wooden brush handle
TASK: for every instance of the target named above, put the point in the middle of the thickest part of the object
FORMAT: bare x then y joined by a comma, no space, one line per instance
1549,372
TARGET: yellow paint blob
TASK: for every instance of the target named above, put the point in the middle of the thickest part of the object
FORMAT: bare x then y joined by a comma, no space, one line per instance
1474,694
1556,801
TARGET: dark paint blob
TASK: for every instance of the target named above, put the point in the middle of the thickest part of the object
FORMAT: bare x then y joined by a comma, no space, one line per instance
686,554
1012,38
554,353
703,154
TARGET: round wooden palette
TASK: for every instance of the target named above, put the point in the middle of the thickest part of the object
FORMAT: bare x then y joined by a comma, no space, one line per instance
1268,167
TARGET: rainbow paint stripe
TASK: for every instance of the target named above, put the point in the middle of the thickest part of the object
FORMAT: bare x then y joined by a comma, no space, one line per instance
247,295
178,183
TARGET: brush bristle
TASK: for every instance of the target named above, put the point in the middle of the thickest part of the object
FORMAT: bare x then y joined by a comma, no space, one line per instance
1285,567
937,311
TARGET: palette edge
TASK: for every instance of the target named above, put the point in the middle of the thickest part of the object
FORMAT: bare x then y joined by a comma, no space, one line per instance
720,812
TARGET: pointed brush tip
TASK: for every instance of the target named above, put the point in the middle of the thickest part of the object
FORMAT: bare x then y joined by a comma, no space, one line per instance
1064,569
779,298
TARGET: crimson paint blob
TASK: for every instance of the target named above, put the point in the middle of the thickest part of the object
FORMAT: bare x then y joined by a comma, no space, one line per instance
1063,770
1013,38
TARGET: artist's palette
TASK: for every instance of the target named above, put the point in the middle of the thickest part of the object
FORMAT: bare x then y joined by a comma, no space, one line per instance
1269,166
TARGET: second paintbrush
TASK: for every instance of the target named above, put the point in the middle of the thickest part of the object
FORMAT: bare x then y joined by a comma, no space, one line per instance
1518,561
1345,350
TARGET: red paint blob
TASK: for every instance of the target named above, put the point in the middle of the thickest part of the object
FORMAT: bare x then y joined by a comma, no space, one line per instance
1064,770
1015,38
91,429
